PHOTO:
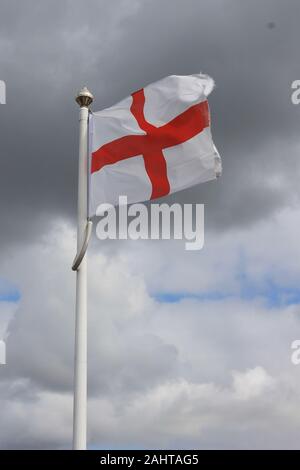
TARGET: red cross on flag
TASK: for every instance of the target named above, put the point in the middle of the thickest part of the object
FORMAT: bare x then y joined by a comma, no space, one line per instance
153,143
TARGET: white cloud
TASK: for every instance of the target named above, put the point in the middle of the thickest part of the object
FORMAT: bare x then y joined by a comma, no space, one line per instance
160,374
268,251
252,383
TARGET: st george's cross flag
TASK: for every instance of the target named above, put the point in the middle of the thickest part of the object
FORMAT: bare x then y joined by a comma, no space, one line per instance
153,143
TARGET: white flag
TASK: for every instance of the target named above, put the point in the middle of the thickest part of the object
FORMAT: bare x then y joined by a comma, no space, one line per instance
153,143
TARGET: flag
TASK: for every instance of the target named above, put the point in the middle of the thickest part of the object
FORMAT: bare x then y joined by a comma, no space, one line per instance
154,142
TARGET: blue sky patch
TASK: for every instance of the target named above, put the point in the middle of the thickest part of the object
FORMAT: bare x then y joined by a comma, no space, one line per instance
8,291
266,289
173,297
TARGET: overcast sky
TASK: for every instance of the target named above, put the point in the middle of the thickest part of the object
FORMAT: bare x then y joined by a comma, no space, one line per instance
185,349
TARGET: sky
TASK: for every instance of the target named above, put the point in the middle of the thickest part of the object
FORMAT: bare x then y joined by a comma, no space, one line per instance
186,349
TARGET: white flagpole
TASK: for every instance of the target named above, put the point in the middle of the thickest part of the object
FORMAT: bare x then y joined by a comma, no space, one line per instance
84,99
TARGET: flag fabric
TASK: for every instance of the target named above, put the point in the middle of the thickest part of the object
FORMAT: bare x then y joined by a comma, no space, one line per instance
153,143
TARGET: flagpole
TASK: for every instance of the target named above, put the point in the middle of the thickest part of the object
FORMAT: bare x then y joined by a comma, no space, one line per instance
84,99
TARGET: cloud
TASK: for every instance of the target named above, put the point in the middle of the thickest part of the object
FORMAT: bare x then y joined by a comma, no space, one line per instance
51,50
252,383
160,374
32,419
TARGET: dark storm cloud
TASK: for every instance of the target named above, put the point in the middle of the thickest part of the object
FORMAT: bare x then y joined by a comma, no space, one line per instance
49,49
